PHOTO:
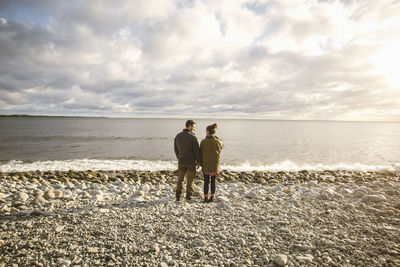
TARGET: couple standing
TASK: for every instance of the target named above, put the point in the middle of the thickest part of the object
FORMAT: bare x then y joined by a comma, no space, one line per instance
190,156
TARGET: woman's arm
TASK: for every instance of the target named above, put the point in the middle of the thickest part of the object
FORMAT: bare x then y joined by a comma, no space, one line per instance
220,143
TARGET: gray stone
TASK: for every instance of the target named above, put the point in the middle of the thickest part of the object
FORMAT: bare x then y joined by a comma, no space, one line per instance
59,228
156,248
58,193
280,259
138,199
323,196
223,205
252,195
98,197
277,188
242,242
359,194
81,186
23,212
92,250
373,199
305,247
225,199
202,243
22,196
85,195
66,263
305,259
49,194
38,200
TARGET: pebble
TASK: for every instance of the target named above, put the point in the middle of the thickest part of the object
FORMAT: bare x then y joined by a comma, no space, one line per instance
223,206
49,195
66,263
156,248
58,193
92,250
323,196
98,197
280,259
242,242
225,199
252,195
305,259
22,196
59,228
138,199
38,200
276,188
305,247
373,199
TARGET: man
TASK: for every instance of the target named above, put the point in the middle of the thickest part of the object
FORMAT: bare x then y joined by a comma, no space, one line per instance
187,151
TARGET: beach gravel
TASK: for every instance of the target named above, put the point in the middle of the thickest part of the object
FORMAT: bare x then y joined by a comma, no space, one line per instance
130,218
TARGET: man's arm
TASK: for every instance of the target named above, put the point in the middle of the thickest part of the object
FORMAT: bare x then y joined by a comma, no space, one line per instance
201,155
196,149
176,149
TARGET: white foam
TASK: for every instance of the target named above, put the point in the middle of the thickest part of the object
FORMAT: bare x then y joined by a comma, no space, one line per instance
291,166
147,165
87,164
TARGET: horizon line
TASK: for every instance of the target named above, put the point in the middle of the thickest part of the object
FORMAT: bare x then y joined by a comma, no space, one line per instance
193,117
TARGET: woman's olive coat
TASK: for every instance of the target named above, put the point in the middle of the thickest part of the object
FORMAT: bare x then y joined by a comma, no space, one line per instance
210,149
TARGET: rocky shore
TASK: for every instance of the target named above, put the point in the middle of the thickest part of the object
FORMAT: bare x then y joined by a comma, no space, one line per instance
130,218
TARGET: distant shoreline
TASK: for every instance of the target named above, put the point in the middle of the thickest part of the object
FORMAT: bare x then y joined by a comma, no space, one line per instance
45,116
106,117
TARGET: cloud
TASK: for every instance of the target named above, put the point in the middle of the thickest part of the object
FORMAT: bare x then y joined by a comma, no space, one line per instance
266,59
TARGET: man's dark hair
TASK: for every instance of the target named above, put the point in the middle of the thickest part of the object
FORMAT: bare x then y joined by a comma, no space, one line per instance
190,122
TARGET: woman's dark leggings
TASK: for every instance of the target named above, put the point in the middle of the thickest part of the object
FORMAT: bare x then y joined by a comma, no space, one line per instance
206,184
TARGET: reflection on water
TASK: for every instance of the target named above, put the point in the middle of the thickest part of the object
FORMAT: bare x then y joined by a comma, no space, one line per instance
256,142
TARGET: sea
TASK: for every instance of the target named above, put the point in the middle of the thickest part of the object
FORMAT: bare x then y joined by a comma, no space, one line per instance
80,143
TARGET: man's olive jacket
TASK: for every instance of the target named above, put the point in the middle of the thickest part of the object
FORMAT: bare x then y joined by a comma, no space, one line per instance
187,148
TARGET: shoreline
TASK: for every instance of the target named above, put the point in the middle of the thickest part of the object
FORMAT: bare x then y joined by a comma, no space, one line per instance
130,218
164,165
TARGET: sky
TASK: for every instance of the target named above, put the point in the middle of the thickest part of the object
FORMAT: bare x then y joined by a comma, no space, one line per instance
278,59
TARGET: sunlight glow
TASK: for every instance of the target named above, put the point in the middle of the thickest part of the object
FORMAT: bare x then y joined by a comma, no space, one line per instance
387,63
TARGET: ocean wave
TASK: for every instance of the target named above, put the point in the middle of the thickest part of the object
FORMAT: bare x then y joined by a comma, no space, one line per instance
80,138
291,166
148,165
86,164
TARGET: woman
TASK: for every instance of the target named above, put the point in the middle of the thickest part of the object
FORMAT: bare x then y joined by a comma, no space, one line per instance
210,149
